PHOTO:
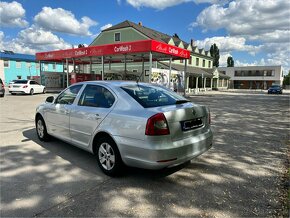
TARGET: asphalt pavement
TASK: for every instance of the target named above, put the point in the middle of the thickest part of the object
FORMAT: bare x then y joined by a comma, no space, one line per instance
239,177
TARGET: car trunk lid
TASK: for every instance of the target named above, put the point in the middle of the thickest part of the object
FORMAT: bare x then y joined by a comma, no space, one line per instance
184,120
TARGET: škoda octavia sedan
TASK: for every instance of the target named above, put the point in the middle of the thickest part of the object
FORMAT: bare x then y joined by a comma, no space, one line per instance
126,123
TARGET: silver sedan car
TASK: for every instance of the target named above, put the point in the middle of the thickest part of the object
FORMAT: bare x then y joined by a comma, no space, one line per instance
126,123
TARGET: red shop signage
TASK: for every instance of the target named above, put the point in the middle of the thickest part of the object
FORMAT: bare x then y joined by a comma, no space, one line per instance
111,49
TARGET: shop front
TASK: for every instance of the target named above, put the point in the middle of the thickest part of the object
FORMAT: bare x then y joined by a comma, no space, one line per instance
105,55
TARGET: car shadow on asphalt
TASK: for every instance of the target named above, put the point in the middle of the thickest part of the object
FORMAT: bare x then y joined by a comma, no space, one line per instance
86,161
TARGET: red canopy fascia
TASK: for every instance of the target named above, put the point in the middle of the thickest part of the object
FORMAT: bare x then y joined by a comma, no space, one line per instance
115,49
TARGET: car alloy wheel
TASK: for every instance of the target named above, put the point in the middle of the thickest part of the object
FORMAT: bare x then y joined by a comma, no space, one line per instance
106,156
41,129
31,91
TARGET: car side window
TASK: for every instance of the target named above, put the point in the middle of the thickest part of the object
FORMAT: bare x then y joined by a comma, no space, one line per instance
69,95
96,96
32,82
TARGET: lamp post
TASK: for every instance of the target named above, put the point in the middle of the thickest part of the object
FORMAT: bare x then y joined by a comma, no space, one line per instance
29,71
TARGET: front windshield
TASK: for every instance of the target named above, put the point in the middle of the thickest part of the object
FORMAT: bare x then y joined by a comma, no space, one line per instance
275,87
153,96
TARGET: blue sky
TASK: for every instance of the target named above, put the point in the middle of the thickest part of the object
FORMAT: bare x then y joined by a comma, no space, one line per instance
254,32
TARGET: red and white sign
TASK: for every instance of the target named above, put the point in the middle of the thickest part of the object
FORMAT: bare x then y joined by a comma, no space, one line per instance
114,49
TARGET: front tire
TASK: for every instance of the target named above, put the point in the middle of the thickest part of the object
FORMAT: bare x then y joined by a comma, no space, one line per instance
41,129
108,157
31,92
44,91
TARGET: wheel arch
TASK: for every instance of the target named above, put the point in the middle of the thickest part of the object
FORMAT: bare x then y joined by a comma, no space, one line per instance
100,135
38,115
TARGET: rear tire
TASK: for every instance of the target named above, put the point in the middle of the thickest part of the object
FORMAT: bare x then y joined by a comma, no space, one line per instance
31,92
41,129
2,96
108,157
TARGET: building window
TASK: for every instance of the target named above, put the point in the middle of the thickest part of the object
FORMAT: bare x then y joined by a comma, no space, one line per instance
190,60
197,62
28,64
18,64
45,67
209,64
54,66
117,37
273,73
251,73
203,63
6,63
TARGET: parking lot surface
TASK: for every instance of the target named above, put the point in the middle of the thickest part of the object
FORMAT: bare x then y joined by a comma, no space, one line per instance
239,176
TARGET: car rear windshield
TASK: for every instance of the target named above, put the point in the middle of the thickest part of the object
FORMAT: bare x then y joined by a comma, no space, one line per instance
20,81
153,96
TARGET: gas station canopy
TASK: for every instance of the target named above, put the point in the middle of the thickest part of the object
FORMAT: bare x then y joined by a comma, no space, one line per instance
136,51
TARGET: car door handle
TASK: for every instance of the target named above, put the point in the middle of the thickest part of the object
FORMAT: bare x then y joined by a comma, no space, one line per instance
97,116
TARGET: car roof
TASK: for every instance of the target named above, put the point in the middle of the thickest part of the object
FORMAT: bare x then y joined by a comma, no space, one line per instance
116,83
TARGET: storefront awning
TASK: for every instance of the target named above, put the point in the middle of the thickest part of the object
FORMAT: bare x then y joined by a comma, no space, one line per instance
131,51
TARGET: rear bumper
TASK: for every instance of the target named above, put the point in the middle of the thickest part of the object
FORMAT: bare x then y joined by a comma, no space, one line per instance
275,91
176,153
17,90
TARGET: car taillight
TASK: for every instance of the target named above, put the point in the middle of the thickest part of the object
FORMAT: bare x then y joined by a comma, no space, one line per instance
25,86
157,125
3,86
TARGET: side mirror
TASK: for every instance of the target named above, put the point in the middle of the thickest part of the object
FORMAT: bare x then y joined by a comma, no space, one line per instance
49,99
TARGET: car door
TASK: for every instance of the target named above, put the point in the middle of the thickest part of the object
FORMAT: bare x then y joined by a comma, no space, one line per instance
38,87
94,105
33,86
57,114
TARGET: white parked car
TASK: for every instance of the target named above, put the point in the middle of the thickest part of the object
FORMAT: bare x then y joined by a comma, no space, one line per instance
136,124
26,87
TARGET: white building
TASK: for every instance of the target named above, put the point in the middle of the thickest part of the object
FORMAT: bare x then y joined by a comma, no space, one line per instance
253,77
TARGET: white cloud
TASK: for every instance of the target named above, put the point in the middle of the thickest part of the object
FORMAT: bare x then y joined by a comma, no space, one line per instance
254,26
223,58
246,17
106,26
32,40
211,1
12,15
228,44
157,4
60,20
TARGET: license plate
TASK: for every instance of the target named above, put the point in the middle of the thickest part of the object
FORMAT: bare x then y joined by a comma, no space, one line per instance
16,86
191,124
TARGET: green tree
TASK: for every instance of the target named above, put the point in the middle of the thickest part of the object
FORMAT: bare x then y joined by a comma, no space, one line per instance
286,80
230,61
215,53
